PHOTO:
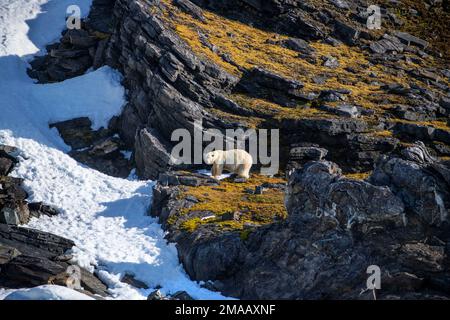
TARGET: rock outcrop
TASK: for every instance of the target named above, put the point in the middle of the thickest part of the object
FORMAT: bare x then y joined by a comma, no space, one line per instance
336,228
29,257
101,149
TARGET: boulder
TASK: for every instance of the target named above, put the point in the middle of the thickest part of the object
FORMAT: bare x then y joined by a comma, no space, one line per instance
307,153
262,83
424,193
152,154
99,149
12,188
14,212
7,253
298,45
191,8
6,165
38,209
330,62
341,4
387,44
332,95
269,80
346,32
7,159
319,189
30,258
415,132
76,133
409,39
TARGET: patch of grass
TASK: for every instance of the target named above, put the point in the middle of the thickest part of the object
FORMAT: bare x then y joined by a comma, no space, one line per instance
384,134
273,110
358,176
430,24
231,197
437,124
191,225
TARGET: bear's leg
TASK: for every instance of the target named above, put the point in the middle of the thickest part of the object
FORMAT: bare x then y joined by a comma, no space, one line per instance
244,170
217,170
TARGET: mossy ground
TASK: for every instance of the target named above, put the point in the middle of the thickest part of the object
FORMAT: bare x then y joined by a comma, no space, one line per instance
249,47
231,197
359,175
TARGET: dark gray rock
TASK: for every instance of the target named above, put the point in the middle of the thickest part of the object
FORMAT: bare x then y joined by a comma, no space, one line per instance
415,132
181,295
445,103
92,284
152,154
6,166
387,44
330,62
132,281
262,83
331,96
7,159
98,149
156,296
343,110
9,216
308,153
410,178
268,80
336,228
38,209
7,253
191,8
76,133
30,258
12,188
14,212
415,113
410,39
298,45
341,4
346,33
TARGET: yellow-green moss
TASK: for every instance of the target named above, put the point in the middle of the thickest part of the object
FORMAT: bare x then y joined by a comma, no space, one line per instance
384,133
231,197
437,124
358,176
245,234
248,47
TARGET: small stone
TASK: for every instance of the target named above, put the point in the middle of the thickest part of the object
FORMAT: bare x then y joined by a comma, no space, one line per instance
155,296
132,281
182,295
341,4
9,216
259,190
330,62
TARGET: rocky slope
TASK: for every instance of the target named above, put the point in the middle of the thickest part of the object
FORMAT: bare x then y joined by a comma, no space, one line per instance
335,228
350,99
29,257
341,86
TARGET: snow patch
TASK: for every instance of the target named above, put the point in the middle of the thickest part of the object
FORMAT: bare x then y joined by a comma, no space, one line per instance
46,292
105,216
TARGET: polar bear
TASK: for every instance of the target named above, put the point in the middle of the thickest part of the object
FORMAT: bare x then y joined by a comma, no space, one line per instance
235,161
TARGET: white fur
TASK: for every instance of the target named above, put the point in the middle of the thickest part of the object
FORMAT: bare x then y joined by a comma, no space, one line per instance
235,161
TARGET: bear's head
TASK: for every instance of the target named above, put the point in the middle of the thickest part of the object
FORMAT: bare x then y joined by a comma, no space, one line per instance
211,157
